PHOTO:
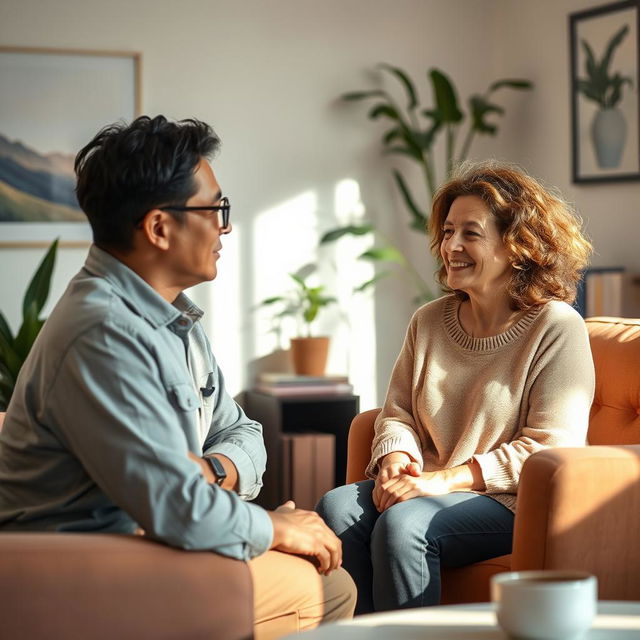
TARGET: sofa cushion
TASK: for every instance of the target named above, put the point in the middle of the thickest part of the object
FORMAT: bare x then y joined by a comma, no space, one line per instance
615,413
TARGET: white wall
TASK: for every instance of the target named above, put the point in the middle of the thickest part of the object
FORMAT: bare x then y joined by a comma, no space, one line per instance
534,42
267,75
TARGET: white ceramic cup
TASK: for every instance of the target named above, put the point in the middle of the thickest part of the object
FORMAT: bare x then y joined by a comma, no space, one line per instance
545,605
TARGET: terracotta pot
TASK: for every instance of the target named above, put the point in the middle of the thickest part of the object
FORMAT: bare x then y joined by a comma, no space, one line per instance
309,355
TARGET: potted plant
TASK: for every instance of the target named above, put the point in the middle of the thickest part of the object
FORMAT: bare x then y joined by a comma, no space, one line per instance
413,133
309,353
608,128
15,349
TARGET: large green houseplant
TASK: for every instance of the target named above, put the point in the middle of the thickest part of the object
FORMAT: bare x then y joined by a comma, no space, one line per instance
15,349
413,132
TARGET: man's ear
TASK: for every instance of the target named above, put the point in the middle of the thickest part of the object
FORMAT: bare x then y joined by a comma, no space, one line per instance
156,227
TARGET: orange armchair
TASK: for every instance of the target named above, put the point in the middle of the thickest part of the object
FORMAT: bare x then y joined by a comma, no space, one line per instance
578,508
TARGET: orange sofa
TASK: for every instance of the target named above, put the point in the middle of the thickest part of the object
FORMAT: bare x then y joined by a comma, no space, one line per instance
62,586
578,508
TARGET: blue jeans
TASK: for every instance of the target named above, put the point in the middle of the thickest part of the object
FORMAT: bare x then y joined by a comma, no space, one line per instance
395,557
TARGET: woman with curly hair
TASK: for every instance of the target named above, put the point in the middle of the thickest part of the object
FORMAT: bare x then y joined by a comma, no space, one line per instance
492,372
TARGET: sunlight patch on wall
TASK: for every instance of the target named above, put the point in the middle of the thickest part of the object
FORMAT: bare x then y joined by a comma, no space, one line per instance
285,238
355,338
223,320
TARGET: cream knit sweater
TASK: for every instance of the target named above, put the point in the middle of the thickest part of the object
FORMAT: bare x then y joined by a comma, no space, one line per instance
498,400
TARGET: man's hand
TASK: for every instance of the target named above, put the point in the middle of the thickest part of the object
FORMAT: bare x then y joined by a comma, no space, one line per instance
392,466
304,533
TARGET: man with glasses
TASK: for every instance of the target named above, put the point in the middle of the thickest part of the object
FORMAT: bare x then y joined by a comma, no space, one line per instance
120,413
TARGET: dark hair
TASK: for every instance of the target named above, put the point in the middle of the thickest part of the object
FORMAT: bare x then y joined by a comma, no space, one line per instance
540,231
127,170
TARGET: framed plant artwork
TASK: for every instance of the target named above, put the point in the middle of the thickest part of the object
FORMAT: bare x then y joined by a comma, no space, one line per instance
52,102
605,58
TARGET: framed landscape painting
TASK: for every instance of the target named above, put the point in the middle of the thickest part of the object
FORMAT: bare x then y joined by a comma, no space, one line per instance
52,102
605,109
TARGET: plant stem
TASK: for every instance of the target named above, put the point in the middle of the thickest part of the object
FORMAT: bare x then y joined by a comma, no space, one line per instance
429,175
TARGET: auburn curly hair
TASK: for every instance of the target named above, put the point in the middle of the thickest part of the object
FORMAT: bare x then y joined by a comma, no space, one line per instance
541,232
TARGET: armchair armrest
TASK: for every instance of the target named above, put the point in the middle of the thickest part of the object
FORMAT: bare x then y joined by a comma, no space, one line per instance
359,444
57,585
580,509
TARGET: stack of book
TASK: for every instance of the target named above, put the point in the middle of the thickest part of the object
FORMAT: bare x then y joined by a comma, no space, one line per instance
284,384
601,292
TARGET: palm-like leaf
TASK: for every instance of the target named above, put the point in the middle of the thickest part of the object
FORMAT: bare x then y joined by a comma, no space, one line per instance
445,95
384,254
412,98
349,230
511,84
38,289
480,108
614,43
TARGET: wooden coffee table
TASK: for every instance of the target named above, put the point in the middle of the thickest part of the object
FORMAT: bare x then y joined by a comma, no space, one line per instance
615,621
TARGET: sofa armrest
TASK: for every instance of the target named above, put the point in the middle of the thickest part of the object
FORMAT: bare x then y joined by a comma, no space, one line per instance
55,585
359,444
580,509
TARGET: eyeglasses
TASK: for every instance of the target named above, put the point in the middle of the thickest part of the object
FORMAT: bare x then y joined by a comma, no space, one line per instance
223,209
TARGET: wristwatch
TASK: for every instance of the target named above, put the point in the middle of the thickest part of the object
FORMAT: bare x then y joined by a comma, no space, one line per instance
217,468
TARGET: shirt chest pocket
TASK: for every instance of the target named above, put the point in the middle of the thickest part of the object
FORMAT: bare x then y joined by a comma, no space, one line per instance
184,397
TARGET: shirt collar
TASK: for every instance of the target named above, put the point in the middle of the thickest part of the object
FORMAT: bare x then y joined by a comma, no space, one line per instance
141,297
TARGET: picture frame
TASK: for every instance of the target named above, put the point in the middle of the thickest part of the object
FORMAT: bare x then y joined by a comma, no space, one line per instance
52,102
605,100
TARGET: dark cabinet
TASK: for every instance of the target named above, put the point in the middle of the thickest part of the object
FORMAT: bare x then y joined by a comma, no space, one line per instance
299,414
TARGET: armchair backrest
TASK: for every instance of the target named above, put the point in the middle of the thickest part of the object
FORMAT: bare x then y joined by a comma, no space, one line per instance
615,413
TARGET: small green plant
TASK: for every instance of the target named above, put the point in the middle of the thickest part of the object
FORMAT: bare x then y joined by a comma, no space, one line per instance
302,301
599,85
15,349
413,133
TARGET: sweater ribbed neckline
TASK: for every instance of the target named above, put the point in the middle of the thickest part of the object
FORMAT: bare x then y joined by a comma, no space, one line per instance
464,340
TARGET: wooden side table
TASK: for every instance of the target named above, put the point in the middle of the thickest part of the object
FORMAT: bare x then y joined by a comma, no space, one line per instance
299,414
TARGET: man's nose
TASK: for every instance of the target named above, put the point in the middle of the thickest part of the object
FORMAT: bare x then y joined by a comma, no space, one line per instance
227,229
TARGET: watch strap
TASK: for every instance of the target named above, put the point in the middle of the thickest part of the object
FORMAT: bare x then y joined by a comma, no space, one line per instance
217,468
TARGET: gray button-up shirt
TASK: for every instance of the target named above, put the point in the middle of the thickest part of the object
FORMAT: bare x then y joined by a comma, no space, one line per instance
118,388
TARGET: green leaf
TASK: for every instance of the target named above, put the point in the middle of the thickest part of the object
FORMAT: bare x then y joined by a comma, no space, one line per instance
361,95
611,47
310,313
416,213
7,379
391,135
511,84
349,230
28,332
38,289
370,283
412,98
5,330
9,357
272,300
480,108
427,137
299,280
384,254
306,270
445,96
380,110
